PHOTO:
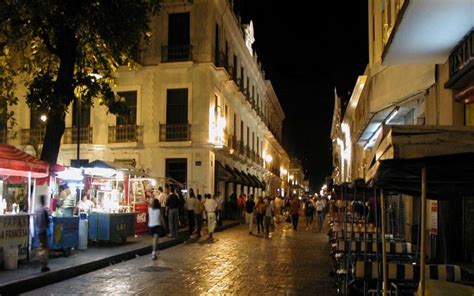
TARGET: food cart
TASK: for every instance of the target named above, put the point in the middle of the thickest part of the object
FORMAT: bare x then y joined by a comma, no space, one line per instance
16,227
140,188
113,218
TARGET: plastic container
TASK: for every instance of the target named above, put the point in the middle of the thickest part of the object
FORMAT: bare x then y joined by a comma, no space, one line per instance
83,231
10,258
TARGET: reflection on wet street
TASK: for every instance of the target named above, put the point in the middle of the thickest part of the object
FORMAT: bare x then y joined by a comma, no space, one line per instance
290,262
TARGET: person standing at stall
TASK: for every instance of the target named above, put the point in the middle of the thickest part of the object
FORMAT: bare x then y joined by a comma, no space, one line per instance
173,212
162,198
42,225
189,205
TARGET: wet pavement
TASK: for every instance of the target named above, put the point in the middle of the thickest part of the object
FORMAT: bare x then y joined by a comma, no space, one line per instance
288,263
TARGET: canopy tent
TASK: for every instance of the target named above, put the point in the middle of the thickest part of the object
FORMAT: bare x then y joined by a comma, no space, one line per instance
14,162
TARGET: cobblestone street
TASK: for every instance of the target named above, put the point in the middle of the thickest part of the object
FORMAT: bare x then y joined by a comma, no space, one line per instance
289,263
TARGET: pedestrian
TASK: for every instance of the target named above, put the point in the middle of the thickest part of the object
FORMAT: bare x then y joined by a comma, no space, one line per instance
154,224
198,211
211,207
249,209
278,204
260,213
163,198
295,212
220,208
42,225
268,215
319,213
189,205
241,204
309,213
172,204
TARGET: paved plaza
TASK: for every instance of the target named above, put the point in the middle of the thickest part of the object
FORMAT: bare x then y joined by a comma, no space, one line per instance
235,263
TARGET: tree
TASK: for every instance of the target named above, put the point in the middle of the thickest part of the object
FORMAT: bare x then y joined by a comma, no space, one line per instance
52,46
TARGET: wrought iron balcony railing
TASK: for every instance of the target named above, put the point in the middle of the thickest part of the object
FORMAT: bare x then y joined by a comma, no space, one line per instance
176,53
32,136
70,135
125,133
175,132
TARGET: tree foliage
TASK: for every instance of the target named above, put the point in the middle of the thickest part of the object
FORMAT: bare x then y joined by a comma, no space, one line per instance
53,47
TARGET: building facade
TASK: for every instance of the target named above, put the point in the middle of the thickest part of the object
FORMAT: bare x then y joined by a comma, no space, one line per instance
419,73
202,111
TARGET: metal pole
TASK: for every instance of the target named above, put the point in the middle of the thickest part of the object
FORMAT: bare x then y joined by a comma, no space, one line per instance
422,230
78,127
384,251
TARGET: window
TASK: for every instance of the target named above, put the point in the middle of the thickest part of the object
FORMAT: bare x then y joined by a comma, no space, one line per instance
177,106
234,70
235,124
217,44
178,29
253,141
258,146
248,136
242,131
176,168
131,102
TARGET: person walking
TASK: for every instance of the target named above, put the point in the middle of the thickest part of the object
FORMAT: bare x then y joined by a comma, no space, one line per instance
189,205
260,213
268,215
309,213
211,207
42,225
154,223
319,213
249,209
198,210
295,212
220,208
172,204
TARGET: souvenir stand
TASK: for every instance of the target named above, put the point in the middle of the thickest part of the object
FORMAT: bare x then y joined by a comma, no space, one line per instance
17,228
113,218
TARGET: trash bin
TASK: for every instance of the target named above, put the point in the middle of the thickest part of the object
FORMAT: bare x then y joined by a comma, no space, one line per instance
10,259
83,231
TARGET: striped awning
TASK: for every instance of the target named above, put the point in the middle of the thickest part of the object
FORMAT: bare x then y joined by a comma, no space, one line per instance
14,162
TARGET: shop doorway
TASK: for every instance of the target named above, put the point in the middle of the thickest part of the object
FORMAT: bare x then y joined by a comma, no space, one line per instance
176,168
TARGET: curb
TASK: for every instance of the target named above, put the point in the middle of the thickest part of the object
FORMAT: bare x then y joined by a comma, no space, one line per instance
41,280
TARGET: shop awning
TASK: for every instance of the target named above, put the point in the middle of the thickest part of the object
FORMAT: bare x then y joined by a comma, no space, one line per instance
243,180
223,174
14,162
237,177
252,181
446,152
258,182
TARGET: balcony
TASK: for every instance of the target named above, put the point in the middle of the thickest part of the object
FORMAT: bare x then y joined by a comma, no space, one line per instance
32,136
70,135
125,133
175,132
176,53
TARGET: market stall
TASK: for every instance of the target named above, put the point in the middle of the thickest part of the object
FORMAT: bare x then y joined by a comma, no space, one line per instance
18,170
140,189
113,218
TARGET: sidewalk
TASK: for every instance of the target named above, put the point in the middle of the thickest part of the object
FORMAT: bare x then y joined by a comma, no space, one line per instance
28,276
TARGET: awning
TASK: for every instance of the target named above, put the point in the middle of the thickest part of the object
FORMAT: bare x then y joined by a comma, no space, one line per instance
240,179
222,173
253,182
259,183
14,162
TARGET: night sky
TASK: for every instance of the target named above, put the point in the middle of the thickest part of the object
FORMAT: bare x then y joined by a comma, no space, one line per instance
306,52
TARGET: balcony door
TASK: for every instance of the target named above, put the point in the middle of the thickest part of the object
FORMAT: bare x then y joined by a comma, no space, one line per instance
177,128
178,29
126,125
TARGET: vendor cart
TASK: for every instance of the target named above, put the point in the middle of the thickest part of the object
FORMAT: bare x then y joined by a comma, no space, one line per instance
64,233
111,226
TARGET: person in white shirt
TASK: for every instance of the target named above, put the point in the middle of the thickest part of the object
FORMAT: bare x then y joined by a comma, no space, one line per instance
211,207
154,223
220,207
319,213
189,204
85,205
